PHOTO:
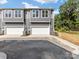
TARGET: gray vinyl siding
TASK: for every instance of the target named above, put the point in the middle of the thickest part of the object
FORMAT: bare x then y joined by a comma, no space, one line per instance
32,19
14,25
1,22
0,25
13,18
27,24
40,25
0,18
40,18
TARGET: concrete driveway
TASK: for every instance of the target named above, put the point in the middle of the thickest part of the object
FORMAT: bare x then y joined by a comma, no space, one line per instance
37,47
33,49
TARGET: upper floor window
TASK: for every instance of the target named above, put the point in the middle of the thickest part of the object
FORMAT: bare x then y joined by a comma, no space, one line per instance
18,13
35,13
8,13
44,13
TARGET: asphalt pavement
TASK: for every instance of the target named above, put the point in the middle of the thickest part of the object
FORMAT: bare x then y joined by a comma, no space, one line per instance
33,49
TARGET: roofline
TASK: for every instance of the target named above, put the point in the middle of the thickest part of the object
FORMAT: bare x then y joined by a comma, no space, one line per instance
26,8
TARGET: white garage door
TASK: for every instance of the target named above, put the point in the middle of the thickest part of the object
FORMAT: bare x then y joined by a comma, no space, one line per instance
18,31
40,31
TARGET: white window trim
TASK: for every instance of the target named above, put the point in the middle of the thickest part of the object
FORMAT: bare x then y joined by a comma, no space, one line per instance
21,14
45,13
35,14
5,13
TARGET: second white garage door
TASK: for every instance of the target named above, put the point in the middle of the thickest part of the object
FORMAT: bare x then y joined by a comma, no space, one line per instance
40,30
18,31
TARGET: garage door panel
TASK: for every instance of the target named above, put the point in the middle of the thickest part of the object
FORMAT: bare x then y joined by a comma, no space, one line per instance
40,30
18,31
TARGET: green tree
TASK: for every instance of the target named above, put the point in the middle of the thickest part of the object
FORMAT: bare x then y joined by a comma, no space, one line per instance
69,16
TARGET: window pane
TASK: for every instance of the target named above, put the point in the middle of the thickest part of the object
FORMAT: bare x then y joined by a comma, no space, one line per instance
17,13
35,13
7,13
43,13
46,13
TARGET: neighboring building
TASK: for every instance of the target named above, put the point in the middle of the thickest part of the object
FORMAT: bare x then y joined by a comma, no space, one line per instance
26,21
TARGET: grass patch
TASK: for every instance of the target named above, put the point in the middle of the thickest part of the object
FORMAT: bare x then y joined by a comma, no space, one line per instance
72,36
73,32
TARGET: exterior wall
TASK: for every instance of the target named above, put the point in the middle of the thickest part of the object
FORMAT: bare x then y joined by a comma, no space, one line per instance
13,18
52,24
27,19
49,20
14,25
1,22
12,21
40,18
27,23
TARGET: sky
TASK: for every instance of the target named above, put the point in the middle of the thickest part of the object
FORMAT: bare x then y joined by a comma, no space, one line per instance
54,4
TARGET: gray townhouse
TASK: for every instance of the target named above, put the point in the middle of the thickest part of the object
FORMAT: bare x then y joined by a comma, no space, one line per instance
26,21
